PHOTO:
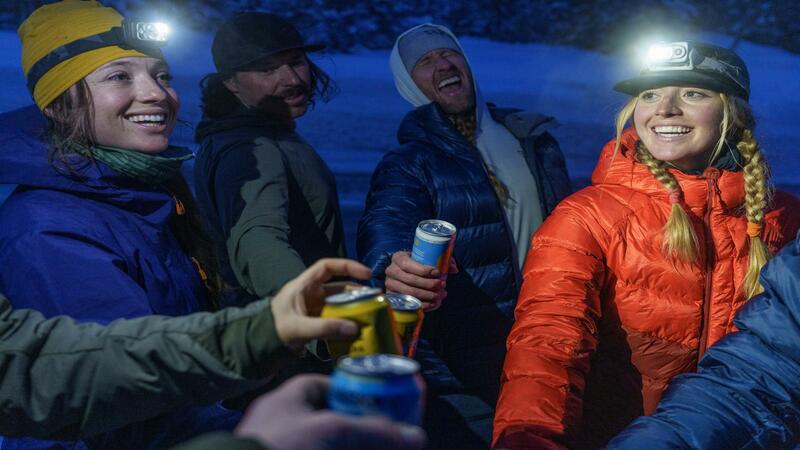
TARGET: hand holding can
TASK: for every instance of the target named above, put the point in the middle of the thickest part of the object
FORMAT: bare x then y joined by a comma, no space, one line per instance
378,385
434,241
371,311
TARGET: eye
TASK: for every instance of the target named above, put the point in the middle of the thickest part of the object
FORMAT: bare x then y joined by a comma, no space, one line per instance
118,76
648,96
164,78
692,94
299,62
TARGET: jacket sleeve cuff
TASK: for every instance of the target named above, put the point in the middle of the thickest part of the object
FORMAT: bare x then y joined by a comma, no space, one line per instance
247,342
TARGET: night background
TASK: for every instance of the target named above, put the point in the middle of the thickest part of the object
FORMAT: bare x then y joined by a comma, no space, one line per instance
559,58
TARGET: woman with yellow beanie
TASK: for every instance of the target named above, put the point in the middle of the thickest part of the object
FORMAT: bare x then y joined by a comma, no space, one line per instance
102,226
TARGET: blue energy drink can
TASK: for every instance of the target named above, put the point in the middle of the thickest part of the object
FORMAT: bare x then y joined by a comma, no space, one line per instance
433,244
378,385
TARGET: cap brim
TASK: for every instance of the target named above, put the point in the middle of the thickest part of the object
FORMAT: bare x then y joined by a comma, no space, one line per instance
635,86
308,48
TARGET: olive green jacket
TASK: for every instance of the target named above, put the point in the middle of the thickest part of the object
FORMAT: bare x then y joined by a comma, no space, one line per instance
270,200
62,380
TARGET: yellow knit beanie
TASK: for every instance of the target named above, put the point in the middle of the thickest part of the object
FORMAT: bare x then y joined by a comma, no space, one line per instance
57,24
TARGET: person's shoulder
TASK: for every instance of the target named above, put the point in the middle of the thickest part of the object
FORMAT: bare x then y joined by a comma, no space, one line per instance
246,148
783,218
523,123
608,205
786,199
45,212
785,208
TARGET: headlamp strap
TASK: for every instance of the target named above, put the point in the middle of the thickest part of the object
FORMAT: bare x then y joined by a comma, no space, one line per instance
112,37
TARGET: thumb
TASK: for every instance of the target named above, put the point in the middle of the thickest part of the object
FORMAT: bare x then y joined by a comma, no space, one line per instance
319,328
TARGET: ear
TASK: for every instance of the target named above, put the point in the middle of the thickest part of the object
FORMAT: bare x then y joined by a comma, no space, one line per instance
231,84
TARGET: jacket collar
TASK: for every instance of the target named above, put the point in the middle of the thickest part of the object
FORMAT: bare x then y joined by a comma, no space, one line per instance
240,118
623,169
430,125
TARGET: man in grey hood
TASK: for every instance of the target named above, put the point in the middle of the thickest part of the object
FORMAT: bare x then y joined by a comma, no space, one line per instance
493,173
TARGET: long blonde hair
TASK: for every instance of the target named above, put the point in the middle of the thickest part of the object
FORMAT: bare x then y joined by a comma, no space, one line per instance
680,239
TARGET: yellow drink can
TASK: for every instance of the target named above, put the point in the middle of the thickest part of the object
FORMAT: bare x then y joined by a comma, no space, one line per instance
371,311
408,315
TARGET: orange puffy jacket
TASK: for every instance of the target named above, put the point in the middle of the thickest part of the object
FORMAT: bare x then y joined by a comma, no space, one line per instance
604,320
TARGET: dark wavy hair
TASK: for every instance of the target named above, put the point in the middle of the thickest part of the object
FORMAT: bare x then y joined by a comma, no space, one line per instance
218,101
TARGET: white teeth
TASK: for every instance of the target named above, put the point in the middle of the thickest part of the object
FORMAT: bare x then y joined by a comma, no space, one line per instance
449,81
159,118
671,130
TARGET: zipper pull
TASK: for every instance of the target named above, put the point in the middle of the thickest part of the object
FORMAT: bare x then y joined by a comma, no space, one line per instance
179,208
200,271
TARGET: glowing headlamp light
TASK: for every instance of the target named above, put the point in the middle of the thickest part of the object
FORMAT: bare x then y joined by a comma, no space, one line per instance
152,33
669,56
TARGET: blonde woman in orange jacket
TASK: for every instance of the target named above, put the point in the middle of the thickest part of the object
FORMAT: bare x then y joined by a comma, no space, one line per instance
631,279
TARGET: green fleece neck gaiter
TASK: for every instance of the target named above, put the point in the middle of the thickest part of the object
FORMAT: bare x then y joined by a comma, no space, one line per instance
148,168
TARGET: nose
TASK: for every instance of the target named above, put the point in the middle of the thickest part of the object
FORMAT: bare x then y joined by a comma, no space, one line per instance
150,90
288,75
443,63
668,106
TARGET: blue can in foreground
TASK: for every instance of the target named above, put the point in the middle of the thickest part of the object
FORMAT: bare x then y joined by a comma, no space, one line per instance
382,385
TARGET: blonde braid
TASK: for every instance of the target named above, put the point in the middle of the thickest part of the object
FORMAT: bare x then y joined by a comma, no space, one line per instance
679,236
757,196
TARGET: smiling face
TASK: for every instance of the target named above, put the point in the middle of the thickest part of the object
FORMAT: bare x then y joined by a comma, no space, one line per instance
444,77
134,106
680,125
281,85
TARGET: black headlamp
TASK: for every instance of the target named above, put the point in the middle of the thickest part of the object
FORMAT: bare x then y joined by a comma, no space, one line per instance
146,37
691,64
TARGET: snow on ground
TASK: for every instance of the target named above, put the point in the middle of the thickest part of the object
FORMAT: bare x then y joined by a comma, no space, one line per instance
359,125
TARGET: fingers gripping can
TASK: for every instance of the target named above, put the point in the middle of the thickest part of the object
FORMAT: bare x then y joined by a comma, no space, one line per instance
371,311
408,315
433,244
378,385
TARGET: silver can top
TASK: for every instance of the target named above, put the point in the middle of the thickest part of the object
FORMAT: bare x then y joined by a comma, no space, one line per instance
352,296
380,365
403,302
437,227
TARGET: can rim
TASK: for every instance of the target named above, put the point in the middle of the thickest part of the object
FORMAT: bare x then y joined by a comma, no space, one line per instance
352,296
403,302
379,364
449,228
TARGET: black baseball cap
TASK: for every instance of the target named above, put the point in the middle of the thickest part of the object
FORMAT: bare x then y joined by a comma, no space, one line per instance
691,64
248,37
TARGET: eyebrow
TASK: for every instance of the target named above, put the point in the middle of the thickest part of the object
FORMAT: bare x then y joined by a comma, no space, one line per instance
160,65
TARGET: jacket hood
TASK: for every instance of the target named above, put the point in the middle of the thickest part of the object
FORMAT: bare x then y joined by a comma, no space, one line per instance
409,90
240,118
623,169
24,161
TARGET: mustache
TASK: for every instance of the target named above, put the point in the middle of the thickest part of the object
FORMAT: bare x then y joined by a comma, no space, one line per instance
293,91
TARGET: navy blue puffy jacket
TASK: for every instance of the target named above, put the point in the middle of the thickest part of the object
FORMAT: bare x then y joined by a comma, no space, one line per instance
746,394
436,173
